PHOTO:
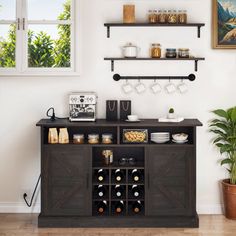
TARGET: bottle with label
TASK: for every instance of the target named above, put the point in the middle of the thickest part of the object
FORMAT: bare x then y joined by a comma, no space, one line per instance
119,175
119,191
136,191
136,175
101,191
119,207
101,207
101,175
137,207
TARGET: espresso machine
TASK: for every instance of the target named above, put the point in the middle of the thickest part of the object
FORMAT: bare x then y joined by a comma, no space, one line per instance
82,106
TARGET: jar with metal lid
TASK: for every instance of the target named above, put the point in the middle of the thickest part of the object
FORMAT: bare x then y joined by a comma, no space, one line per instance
107,138
156,50
171,53
183,53
182,17
78,138
93,138
172,17
162,16
152,16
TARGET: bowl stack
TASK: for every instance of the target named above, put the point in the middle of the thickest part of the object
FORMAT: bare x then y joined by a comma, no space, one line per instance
160,137
180,138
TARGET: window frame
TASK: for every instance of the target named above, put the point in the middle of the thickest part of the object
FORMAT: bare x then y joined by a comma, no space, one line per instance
22,69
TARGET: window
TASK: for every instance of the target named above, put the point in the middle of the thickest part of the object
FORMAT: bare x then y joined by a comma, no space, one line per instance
37,37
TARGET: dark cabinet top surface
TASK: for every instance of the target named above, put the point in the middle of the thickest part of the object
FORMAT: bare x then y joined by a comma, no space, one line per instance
103,122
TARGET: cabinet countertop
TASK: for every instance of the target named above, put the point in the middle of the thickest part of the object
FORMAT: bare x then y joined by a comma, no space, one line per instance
103,122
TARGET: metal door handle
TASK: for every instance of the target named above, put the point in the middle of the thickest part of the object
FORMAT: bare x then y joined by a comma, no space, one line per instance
23,23
18,23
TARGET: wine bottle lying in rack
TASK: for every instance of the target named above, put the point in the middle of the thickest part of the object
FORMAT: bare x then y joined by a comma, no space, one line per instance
136,191
101,191
119,175
119,207
101,175
101,207
137,207
136,175
119,190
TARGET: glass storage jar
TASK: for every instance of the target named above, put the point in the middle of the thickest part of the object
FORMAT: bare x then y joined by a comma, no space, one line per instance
171,53
78,138
182,17
172,17
93,138
156,50
162,16
183,53
152,16
107,138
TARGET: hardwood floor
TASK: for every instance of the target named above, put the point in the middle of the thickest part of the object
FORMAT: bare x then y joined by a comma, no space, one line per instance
26,225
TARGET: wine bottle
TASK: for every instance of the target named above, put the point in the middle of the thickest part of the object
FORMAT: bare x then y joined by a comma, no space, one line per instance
118,175
101,175
136,191
119,207
101,190
137,207
119,190
136,175
101,207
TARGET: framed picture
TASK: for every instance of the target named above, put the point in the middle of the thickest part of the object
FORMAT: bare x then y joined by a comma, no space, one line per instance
224,24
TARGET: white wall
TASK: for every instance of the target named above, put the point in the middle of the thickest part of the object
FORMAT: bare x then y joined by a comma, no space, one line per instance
23,101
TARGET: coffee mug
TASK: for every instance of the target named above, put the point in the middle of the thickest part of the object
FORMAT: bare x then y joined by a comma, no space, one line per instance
140,87
127,88
182,87
170,88
156,88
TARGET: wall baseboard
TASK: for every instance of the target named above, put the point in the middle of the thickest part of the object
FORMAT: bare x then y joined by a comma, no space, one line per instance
20,207
214,209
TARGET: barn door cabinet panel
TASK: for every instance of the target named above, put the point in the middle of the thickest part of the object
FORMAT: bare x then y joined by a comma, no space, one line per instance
66,180
166,177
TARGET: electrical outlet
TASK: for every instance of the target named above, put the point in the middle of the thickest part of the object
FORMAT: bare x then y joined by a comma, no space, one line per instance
25,192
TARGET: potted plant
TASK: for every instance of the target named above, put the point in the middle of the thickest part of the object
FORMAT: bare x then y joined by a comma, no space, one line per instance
224,128
171,114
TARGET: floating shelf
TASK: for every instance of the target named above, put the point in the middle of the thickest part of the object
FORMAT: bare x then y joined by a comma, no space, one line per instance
113,59
197,25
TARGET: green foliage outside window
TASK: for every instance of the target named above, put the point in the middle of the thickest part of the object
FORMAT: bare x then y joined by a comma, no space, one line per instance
43,51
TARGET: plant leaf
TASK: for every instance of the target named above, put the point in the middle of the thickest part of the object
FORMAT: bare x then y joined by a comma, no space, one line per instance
233,114
226,161
221,113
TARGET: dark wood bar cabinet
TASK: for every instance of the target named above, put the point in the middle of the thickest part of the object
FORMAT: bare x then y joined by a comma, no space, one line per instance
167,180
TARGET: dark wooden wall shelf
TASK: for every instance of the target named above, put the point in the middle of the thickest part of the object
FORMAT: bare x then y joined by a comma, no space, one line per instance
167,181
197,25
113,59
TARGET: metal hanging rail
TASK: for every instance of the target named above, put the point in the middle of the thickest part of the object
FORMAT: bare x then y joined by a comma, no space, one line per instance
118,77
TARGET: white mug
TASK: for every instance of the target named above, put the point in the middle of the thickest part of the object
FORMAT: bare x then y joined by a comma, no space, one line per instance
127,88
140,88
156,88
170,88
182,87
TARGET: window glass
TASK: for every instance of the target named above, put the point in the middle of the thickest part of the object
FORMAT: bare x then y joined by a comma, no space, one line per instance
49,9
7,45
49,46
7,9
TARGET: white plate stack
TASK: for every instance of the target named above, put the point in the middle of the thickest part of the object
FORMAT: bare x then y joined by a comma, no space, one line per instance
160,137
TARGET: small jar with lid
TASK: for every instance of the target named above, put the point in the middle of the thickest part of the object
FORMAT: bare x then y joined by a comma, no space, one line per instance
172,17
78,138
162,16
152,16
156,50
107,138
93,138
171,53
183,53
182,17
